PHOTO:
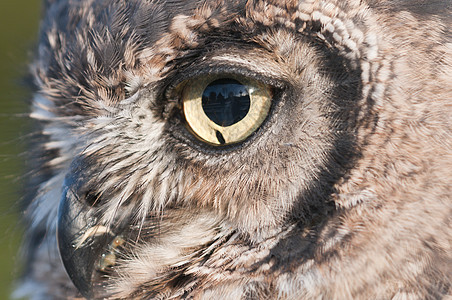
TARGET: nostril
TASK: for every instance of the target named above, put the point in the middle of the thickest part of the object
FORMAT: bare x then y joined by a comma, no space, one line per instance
92,198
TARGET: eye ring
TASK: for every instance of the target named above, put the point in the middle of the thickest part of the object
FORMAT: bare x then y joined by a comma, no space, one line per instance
222,130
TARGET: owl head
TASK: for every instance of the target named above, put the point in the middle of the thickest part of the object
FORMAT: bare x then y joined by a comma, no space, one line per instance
233,149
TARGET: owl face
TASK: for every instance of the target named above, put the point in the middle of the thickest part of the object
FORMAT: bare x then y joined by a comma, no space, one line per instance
214,142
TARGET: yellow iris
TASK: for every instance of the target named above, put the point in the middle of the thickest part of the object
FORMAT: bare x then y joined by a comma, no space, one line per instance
225,109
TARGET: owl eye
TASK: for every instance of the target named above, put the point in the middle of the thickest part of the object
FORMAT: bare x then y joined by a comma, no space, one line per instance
223,110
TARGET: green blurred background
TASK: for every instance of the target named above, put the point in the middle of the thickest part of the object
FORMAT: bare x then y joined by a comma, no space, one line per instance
19,21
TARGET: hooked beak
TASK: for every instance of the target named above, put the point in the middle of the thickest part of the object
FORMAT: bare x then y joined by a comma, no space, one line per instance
81,240
79,257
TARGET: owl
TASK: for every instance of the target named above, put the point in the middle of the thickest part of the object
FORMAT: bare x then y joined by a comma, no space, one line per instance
257,149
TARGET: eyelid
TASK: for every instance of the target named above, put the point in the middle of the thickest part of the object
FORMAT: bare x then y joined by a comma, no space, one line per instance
249,64
245,59
173,90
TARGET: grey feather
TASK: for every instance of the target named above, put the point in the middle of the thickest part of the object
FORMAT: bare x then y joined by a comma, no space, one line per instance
342,193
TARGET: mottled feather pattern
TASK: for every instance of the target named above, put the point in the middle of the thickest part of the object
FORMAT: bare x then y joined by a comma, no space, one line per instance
342,193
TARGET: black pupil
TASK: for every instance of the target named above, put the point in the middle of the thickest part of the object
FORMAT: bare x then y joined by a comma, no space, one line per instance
225,101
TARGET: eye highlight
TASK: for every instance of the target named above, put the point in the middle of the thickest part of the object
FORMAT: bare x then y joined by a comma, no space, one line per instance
225,109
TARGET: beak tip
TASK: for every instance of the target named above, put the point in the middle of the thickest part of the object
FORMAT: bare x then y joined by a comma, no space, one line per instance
78,261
